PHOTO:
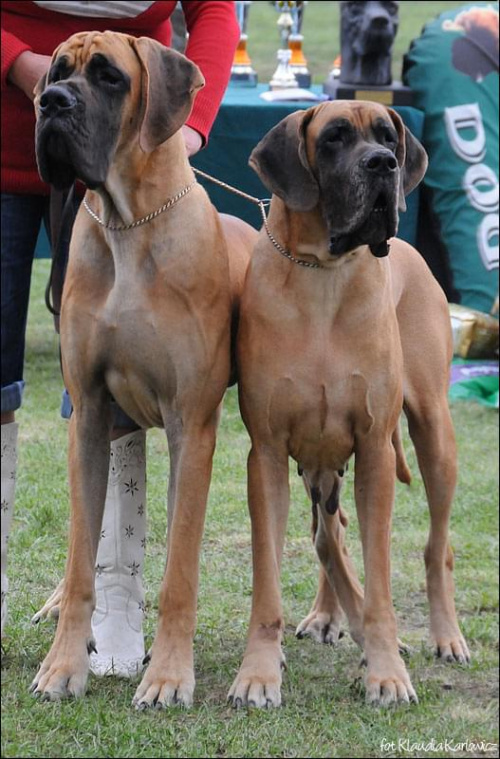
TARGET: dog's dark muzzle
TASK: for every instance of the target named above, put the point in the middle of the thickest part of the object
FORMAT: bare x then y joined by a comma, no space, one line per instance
57,101
55,136
376,177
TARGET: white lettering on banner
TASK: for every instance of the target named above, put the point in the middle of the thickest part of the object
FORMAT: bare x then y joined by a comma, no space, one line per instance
461,117
478,176
487,241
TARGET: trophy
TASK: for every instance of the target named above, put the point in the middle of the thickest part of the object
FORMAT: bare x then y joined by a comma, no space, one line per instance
298,62
242,71
292,68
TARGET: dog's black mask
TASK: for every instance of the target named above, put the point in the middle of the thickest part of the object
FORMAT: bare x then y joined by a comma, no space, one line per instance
78,121
359,185
356,170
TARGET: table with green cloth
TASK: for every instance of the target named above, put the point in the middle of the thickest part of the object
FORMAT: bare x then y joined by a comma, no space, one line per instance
243,119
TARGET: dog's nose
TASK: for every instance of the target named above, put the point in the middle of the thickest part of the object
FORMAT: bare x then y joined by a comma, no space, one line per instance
379,22
56,99
380,162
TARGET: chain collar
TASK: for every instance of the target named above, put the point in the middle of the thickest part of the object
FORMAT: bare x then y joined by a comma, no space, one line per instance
281,249
262,205
170,202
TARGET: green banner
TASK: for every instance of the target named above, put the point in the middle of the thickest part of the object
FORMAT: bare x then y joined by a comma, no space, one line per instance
453,70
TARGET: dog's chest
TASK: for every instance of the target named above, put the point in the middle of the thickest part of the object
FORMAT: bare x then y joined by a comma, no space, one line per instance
320,405
153,352
318,379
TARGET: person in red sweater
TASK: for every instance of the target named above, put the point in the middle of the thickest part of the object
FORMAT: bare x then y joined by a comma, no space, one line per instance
30,33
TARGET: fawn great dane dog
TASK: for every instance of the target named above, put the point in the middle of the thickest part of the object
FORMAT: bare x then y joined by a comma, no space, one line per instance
147,314
336,338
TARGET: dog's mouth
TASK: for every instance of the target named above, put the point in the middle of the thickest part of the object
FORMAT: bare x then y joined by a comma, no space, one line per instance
61,159
54,157
379,224
380,204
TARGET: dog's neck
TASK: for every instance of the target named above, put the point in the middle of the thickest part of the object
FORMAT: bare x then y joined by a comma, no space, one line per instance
373,69
305,235
122,201
354,280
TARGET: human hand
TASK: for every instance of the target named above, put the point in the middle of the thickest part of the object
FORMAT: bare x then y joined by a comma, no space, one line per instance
192,140
27,69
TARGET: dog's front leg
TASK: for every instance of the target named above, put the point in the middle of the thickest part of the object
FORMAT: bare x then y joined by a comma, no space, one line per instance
64,670
259,680
386,679
169,678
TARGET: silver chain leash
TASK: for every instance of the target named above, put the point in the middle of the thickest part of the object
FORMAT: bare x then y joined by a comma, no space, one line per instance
262,205
258,201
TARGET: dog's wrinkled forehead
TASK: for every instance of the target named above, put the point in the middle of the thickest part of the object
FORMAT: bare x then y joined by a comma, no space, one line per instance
73,55
366,118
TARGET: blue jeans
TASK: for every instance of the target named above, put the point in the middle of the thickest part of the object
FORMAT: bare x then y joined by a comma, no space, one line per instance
21,219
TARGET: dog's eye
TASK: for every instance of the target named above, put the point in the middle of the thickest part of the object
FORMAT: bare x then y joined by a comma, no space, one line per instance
60,70
108,76
389,139
334,136
355,9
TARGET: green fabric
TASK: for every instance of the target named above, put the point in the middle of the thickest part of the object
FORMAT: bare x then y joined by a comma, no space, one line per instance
474,381
484,390
452,73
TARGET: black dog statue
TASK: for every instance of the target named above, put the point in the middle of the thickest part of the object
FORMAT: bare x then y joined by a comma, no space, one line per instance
367,32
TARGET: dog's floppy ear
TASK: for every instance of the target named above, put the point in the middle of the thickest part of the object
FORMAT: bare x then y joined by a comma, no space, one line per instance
280,160
169,84
412,159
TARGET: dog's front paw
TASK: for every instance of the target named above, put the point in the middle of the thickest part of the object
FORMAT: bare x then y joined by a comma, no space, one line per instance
322,627
258,683
166,682
387,682
64,672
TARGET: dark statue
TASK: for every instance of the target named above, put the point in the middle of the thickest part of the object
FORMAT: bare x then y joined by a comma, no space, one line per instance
367,32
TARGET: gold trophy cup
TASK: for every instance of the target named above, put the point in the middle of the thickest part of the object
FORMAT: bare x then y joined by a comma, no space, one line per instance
242,71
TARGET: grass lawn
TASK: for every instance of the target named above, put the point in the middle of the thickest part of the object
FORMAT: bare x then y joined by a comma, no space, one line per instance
324,713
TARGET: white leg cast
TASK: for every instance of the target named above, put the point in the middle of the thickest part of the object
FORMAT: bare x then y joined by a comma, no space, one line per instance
118,616
9,463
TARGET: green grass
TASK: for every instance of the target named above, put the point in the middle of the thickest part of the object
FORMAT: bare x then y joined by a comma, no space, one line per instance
324,714
322,36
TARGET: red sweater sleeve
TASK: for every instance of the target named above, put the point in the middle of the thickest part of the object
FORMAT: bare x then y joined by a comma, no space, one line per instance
213,36
12,47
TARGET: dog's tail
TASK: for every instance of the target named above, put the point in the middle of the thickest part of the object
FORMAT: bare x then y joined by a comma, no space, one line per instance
402,471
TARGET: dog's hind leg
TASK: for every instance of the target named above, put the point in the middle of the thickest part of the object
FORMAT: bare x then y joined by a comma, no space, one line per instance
323,622
51,607
338,588
432,433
